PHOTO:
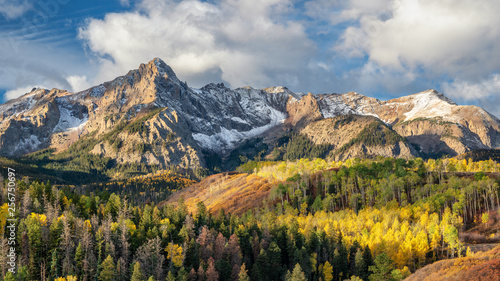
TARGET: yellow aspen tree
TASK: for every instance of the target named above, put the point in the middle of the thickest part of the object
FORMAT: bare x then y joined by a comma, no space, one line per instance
327,271
422,246
435,241
175,254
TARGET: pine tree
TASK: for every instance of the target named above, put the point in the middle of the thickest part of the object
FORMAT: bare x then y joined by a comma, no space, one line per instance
79,259
260,270
108,270
9,277
137,273
182,275
192,275
201,211
382,268
296,275
274,255
234,250
54,268
201,274
352,254
170,277
220,247
359,264
302,258
343,261
212,274
367,262
206,241
235,272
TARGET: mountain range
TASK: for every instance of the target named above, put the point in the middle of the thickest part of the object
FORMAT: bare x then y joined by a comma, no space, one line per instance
149,116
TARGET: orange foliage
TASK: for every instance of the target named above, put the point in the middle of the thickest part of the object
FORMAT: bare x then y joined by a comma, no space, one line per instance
235,193
480,266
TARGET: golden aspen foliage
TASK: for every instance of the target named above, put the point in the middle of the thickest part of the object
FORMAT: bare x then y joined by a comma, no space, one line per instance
175,254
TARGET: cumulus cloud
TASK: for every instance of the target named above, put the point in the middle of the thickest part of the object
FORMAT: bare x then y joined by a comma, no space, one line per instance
14,9
338,11
241,42
15,93
485,93
78,83
467,90
26,64
458,38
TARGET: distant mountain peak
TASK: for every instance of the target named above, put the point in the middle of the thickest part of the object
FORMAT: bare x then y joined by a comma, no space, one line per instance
218,119
433,94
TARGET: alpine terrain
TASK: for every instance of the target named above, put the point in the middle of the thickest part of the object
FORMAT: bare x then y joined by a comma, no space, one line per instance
150,117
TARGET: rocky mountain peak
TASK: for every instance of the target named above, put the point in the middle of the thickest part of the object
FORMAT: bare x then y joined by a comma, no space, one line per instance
277,89
432,94
218,86
218,119
158,68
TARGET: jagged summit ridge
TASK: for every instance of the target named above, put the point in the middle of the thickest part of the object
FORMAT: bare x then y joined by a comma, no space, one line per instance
219,119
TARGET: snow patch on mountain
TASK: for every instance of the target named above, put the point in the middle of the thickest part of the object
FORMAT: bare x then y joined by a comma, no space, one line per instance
333,105
228,139
21,105
239,120
27,144
69,122
428,104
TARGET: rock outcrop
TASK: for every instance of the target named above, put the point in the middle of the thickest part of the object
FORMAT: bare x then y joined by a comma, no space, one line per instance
150,116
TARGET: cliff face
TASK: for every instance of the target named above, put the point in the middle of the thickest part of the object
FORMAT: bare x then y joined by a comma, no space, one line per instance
356,136
150,116
433,124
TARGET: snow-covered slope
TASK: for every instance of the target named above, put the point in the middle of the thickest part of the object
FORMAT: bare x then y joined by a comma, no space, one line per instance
218,119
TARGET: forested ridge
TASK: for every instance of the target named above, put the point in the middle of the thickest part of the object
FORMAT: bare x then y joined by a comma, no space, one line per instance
360,220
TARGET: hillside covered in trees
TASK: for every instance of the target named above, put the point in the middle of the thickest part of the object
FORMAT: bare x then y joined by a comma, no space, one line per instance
313,220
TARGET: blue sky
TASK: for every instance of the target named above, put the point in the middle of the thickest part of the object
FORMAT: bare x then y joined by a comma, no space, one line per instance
379,48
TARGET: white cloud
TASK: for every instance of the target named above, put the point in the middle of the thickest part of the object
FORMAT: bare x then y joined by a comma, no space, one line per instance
460,38
467,90
25,63
15,93
78,83
337,11
485,93
239,41
14,9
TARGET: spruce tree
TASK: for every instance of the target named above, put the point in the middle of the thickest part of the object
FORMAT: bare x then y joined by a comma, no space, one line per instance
108,270
79,259
296,275
274,255
10,277
382,268
359,264
367,262
137,273
54,268
212,274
